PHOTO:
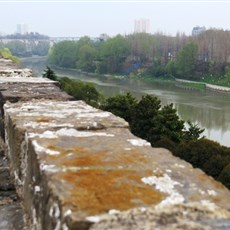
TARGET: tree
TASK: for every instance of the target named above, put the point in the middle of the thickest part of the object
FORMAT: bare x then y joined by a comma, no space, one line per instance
199,152
5,53
49,73
81,91
64,54
186,61
86,57
112,54
145,119
224,176
121,105
227,75
172,125
193,132
41,48
17,48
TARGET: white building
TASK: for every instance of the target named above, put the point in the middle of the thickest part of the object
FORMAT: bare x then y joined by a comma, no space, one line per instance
23,29
142,26
198,30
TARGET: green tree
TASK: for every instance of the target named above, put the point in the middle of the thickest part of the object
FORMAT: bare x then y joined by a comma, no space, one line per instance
224,176
5,53
215,165
193,132
41,48
112,54
86,58
121,105
17,48
49,73
171,125
145,119
198,152
186,61
227,75
81,91
63,54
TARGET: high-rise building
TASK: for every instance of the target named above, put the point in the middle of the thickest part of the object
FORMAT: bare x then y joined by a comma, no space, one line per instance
23,29
198,30
142,26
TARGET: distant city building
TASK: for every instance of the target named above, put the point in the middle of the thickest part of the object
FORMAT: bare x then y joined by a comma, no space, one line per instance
198,30
142,26
103,37
23,29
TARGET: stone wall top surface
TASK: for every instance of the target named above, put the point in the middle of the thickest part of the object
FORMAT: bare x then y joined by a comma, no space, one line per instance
77,167
26,89
7,64
10,69
93,164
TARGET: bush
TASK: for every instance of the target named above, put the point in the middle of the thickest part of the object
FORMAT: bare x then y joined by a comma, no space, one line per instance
198,152
165,142
224,176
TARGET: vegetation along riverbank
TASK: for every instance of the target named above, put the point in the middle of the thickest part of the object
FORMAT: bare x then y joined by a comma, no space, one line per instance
160,125
156,56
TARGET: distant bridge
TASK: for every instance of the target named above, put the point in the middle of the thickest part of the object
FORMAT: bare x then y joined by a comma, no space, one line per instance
51,40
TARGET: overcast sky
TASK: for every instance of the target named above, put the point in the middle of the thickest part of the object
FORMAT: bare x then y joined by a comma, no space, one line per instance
78,18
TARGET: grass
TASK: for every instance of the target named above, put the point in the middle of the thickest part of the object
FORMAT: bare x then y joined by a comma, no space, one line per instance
217,80
195,86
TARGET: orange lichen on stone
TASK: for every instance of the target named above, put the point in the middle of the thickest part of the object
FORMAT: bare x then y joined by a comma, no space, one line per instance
43,119
96,191
82,156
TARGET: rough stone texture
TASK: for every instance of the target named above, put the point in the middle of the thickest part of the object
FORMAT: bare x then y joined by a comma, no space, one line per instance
74,163
16,89
7,64
26,89
17,84
76,167
10,69
193,216
11,213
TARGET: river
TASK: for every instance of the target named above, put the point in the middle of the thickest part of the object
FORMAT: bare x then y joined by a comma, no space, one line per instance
208,109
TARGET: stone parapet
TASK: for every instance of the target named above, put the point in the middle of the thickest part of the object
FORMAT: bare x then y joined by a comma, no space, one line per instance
75,164
77,167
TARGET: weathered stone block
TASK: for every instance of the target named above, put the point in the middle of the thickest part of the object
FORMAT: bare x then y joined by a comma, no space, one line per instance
6,181
74,164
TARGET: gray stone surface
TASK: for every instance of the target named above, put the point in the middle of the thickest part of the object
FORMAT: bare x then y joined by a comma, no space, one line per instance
74,163
76,167
11,212
193,216
11,216
27,91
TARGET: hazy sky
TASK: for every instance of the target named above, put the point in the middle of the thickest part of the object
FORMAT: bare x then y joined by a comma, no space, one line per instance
78,18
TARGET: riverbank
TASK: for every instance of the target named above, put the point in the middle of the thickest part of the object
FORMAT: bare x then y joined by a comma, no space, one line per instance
204,86
208,109
174,82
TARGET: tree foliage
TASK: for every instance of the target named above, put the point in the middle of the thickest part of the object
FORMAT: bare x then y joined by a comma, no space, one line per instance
26,49
155,55
81,91
5,53
224,176
185,64
193,132
49,73
162,127
148,119
121,105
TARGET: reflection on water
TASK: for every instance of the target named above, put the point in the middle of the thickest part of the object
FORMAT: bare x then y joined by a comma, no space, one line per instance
209,110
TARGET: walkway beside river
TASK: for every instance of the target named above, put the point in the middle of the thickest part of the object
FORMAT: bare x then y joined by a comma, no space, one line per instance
216,88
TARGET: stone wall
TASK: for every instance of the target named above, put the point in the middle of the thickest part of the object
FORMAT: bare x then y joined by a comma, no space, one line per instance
76,167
